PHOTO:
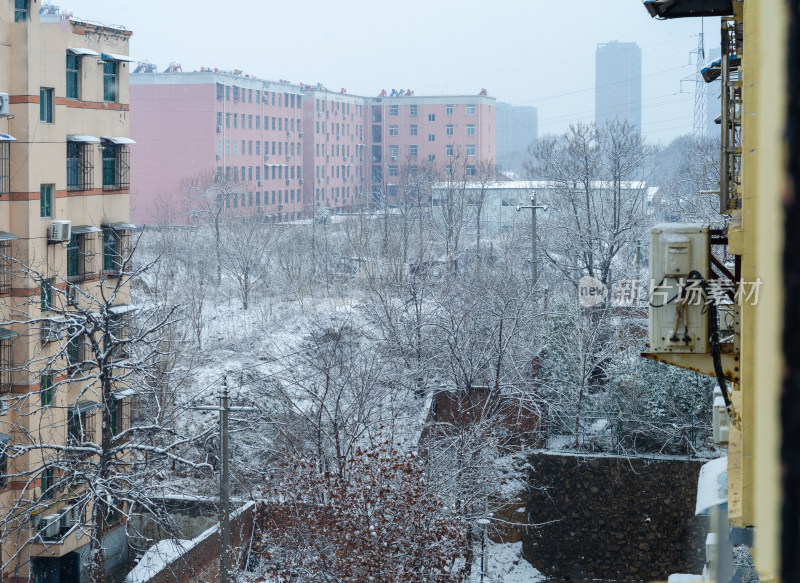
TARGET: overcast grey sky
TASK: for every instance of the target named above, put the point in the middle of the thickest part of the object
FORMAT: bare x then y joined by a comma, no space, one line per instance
526,52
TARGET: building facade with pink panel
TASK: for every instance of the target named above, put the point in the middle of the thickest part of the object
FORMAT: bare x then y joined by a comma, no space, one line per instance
196,128
333,149
449,135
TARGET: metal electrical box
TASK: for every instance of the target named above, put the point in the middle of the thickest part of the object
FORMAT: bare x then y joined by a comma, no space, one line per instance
678,310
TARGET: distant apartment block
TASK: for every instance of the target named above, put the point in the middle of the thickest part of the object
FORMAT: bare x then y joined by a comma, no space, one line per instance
291,150
449,135
618,83
197,127
517,130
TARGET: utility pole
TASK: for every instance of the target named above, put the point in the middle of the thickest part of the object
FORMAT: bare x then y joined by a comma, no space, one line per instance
224,489
534,259
224,409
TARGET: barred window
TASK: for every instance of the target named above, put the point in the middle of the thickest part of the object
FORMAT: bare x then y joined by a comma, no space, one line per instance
81,422
116,166
116,244
6,359
6,262
5,166
81,253
80,168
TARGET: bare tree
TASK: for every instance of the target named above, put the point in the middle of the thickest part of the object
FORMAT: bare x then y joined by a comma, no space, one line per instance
78,465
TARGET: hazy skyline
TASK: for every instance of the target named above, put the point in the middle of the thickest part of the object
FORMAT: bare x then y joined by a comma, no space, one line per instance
526,53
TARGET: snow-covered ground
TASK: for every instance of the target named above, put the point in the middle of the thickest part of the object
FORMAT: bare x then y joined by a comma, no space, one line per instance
504,564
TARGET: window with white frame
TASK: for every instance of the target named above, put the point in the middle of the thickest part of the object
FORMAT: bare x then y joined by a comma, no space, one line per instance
470,109
412,151
470,129
394,130
412,130
449,109
470,149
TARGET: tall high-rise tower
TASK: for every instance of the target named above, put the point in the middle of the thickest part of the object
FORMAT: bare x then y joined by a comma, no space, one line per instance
618,83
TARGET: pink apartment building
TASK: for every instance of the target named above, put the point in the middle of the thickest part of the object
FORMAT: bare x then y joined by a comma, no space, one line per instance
285,151
453,135
333,151
198,127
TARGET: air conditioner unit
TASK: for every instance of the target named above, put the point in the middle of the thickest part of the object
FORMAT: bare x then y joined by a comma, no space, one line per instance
301,181
4,105
301,134
287,182
51,330
394,157
219,129
288,134
49,526
280,207
219,156
4,405
260,183
60,231
266,157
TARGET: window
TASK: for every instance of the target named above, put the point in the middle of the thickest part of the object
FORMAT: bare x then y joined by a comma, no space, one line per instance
470,109
431,137
80,169
235,93
376,133
46,105
110,85
470,129
81,422
450,150
227,120
46,295
449,109
235,121
450,129
412,130
5,166
412,110
80,253
394,130
470,170
412,151
431,157
119,411
20,10
73,76
46,389
448,170
394,110
470,149
431,117
47,484
6,262
46,200
3,469
250,119
377,116
227,92
116,166
6,359
220,91
116,239
258,119
394,171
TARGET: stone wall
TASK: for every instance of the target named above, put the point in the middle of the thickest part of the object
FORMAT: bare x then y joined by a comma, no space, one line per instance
613,518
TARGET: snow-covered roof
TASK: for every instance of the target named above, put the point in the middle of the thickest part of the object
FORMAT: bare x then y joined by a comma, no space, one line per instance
538,185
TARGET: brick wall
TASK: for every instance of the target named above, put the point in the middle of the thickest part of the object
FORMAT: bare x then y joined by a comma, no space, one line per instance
200,563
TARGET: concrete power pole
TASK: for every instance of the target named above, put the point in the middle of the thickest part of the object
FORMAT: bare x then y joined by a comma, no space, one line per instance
224,490
224,409
534,258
